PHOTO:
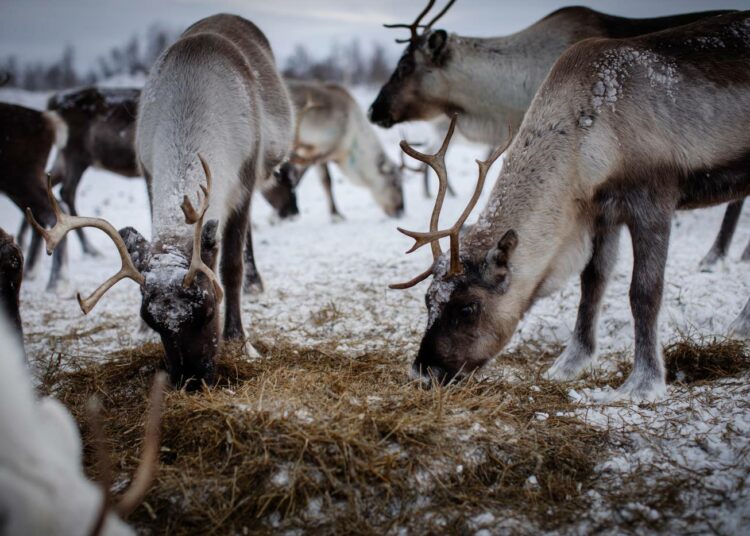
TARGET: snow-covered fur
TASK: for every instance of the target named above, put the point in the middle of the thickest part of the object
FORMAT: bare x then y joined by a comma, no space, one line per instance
623,132
43,489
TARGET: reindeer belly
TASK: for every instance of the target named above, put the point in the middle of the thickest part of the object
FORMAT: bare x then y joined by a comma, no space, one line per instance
720,184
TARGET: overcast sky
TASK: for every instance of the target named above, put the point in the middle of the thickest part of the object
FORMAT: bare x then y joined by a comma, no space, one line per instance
39,29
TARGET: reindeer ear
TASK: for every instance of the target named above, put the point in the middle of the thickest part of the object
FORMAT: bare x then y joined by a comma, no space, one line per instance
436,43
497,259
138,247
209,244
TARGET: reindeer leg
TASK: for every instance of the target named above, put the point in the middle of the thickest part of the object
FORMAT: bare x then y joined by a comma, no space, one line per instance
253,283
325,178
746,253
650,244
233,241
724,238
581,349
740,327
21,234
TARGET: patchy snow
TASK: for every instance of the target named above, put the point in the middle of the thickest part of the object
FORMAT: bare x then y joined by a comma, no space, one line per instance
615,66
311,266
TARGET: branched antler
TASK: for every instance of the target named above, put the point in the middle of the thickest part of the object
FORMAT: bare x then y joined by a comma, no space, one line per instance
66,223
195,217
147,466
432,237
414,26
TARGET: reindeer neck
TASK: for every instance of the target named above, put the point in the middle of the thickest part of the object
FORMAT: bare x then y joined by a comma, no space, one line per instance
492,81
537,197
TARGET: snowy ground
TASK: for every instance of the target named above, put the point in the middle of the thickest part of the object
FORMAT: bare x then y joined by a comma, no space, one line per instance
312,268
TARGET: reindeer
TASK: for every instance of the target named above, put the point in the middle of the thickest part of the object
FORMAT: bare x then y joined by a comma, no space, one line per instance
11,276
44,489
490,82
623,132
26,139
332,128
214,102
101,133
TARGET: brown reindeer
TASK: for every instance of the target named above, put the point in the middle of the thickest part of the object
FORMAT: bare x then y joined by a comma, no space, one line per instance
623,132
11,276
214,118
26,139
491,82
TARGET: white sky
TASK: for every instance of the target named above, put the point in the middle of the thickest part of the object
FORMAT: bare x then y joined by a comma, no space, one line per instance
39,29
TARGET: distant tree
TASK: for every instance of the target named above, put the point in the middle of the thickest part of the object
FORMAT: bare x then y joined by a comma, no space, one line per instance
380,70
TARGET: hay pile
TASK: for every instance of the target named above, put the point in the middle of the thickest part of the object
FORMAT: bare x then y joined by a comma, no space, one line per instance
694,360
305,438
309,438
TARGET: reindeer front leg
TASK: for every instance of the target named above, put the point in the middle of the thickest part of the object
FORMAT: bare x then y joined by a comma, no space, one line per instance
581,349
650,245
233,240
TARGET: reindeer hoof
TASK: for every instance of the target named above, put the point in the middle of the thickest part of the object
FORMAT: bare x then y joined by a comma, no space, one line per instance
250,351
637,388
708,263
253,287
337,218
91,251
740,328
570,364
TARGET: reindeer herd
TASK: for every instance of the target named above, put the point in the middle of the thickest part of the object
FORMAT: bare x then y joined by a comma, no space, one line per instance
605,122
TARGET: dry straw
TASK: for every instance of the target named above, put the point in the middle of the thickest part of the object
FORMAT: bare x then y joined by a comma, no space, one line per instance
313,439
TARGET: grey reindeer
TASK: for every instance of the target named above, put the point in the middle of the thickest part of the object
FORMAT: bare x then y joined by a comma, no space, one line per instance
214,116
491,82
623,132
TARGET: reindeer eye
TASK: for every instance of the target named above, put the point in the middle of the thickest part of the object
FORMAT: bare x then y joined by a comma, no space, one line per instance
467,312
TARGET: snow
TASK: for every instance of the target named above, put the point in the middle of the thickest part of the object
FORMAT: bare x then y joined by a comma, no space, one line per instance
615,65
309,265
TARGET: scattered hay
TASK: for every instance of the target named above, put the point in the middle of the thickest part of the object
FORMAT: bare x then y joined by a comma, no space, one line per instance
309,438
690,361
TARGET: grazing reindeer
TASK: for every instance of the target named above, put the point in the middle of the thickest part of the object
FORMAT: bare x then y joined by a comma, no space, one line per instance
622,133
490,82
214,102
26,139
11,276
331,127
44,489
101,132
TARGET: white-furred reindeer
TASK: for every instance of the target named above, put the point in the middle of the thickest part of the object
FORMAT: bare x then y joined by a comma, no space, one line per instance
332,128
215,116
623,132
490,82
43,489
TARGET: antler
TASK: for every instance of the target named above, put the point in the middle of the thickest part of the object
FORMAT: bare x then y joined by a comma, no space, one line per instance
432,237
404,166
146,470
66,223
193,216
414,26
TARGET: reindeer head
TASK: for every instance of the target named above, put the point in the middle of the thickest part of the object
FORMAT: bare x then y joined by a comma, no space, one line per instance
466,326
179,289
278,190
413,92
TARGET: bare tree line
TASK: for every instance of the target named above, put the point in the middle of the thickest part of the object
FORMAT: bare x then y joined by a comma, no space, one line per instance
347,64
